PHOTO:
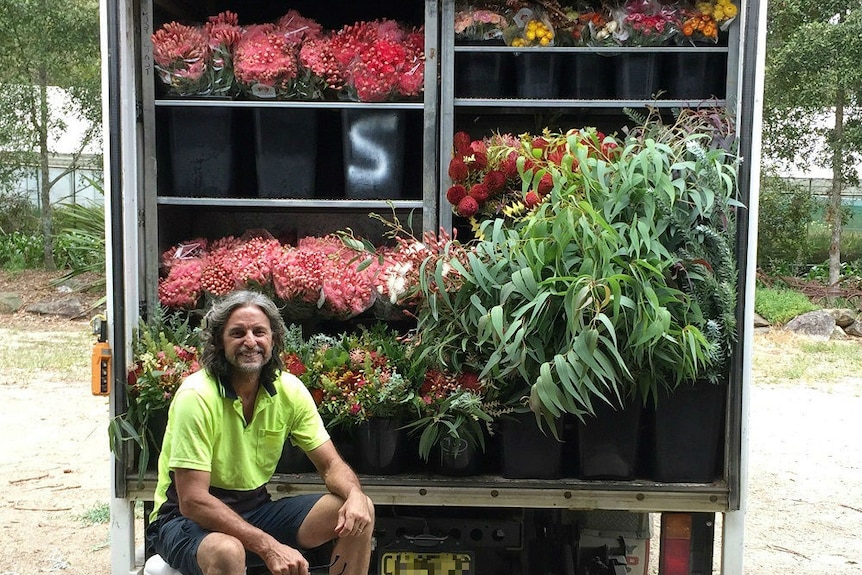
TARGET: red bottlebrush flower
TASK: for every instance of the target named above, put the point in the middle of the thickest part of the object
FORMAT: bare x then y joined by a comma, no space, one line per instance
457,170
470,382
468,207
495,180
480,193
461,143
455,194
546,184
532,199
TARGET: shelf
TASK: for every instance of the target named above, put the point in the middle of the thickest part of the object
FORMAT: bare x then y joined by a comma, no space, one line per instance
494,491
275,203
604,50
320,105
520,106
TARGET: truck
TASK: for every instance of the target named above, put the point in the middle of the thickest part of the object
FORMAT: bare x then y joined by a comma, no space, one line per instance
427,523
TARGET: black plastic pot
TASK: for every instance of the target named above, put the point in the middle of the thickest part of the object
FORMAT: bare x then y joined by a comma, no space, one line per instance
688,432
586,76
483,74
201,151
637,75
379,443
537,75
373,142
527,451
608,442
285,145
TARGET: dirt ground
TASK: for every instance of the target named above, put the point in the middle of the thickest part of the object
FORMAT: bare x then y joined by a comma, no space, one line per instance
805,477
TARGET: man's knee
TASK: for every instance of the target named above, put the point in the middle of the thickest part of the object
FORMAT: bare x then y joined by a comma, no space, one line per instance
220,553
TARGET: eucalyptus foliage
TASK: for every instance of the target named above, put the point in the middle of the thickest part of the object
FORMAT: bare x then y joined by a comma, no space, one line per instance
623,282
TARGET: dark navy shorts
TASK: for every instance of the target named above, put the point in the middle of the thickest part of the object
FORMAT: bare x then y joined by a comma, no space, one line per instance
177,539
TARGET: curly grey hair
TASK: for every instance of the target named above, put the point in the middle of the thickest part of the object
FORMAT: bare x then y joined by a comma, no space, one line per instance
213,358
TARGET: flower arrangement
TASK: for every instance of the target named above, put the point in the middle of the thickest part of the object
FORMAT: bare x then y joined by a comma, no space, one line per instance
377,60
480,24
164,352
359,376
181,54
266,63
223,32
532,27
702,23
506,176
644,23
450,410
317,276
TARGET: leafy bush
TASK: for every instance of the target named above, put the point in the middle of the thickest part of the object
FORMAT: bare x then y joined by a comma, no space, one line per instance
80,243
785,214
780,305
20,250
17,214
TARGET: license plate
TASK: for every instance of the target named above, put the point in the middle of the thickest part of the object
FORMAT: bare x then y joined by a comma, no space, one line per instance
410,563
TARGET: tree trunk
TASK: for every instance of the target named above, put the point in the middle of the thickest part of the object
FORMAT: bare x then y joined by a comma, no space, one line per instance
833,212
45,179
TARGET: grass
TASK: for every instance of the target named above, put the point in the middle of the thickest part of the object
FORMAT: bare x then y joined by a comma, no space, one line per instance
780,305
784,358
63,352
96,515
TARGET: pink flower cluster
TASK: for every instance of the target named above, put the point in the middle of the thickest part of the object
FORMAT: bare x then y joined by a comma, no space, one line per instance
645,23
373,60
318,272
194,60
293,58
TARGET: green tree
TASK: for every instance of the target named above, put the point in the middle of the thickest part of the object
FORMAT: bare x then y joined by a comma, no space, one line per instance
813,71
46,43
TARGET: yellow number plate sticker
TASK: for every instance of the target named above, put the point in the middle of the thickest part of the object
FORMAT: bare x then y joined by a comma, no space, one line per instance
408,563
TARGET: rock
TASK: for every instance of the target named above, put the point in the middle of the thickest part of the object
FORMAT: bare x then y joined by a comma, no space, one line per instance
838,333
759,321
816,324
65,306
854,329
843,317
10,302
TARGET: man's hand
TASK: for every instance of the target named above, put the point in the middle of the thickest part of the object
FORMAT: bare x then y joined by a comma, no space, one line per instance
285,560
355,515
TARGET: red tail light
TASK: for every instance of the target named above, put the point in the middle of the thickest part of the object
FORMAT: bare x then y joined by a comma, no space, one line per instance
675,549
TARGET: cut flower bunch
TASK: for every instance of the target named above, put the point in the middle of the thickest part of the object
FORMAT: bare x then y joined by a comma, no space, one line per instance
292,58
328,277
526,23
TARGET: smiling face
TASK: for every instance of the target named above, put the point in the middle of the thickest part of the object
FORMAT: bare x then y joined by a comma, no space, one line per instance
247,339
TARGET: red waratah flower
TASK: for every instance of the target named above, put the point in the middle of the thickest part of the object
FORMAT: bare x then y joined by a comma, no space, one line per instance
479,161
532,199
461,143
546,184
495,180
468,207
457,170
455,194
480,193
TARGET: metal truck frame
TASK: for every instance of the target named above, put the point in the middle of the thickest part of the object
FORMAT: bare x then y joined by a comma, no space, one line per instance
132,209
